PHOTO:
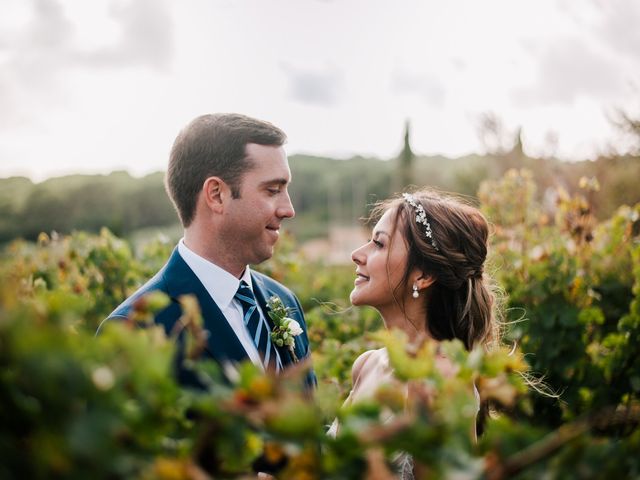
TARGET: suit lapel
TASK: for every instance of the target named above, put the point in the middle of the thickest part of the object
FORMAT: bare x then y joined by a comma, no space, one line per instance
222,344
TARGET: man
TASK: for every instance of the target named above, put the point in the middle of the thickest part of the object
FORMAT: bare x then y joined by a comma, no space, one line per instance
227,177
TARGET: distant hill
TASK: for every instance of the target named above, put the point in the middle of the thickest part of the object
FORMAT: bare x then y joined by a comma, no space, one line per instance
82,202
324,191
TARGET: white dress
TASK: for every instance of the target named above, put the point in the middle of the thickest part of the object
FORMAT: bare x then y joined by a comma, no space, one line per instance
371,370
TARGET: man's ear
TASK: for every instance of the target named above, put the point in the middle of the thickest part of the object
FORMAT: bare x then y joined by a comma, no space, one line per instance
424,281
215,193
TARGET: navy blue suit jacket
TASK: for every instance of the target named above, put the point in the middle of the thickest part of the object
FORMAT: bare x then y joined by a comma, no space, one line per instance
176,278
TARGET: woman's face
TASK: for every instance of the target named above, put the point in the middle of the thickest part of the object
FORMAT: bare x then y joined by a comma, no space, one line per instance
380,266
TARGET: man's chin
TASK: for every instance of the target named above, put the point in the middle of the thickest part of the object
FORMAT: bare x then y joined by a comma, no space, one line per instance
263,256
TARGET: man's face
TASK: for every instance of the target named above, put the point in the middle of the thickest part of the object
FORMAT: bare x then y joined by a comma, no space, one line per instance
252,222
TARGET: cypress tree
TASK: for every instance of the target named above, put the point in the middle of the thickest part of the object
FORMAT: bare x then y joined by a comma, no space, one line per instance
405,161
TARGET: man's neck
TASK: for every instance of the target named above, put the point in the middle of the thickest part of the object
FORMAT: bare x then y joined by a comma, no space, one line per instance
195,243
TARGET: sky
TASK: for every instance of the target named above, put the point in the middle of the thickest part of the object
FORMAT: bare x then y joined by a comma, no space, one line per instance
92,87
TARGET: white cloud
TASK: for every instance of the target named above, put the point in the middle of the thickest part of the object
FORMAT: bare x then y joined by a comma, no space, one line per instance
570,68
107,84
618,26
427,86
323,86
146,36
47,46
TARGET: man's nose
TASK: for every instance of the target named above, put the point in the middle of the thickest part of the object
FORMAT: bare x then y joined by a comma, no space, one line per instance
285,209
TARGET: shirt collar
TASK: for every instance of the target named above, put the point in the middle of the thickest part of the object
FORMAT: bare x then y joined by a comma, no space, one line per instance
221,285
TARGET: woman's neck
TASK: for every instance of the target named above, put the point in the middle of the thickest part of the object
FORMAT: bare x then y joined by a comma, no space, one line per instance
412,320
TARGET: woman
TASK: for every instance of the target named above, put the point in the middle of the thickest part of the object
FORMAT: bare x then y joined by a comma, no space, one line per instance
423,270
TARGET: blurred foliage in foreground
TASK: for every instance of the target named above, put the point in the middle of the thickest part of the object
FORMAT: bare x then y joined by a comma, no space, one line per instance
76,406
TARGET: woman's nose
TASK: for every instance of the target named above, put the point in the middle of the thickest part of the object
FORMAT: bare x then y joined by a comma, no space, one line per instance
357,256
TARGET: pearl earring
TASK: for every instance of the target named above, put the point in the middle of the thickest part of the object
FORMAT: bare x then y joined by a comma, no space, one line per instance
415,293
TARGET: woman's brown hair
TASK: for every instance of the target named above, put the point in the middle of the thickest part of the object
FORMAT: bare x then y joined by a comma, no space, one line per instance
462,303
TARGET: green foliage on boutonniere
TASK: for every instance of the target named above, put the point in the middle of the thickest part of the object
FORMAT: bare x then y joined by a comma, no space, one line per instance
285,328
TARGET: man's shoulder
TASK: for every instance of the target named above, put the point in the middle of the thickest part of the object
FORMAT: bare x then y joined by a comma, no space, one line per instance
272,285
154,284
159,282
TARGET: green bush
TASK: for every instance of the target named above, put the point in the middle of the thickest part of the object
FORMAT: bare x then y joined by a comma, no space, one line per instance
76,406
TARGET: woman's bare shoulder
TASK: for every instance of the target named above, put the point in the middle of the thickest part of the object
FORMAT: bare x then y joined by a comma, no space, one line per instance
367,358
446,366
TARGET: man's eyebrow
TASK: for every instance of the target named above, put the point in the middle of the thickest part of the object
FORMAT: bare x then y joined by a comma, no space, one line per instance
275,181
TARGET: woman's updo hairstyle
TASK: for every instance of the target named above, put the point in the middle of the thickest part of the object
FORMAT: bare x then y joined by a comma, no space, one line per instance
462,302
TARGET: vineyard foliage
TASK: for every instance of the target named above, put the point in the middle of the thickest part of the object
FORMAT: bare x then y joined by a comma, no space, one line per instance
564,388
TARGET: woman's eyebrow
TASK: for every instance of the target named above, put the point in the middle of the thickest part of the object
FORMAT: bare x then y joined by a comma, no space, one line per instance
377,233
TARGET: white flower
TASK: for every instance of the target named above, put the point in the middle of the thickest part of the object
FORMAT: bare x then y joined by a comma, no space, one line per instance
294,327
284,328
103,378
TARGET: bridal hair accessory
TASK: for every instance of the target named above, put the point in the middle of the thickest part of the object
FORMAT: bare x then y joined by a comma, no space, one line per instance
415,293
421,217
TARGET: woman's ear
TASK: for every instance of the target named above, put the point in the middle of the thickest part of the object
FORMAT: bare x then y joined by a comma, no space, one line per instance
423,281
215,193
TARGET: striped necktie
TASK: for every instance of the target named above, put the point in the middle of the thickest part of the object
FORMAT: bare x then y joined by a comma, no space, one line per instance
257,327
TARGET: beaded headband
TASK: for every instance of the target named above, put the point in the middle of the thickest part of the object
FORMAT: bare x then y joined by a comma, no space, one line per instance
421,217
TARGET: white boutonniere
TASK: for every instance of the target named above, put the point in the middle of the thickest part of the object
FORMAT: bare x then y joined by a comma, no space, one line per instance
285,328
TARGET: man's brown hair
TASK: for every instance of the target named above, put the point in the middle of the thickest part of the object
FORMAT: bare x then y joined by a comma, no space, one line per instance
213,145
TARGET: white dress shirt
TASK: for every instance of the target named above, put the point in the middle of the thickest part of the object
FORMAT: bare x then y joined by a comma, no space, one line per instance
222,286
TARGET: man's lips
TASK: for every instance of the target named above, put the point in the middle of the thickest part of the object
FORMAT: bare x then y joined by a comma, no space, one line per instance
274,232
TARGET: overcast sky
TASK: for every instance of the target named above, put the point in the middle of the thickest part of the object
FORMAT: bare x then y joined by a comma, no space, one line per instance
94,86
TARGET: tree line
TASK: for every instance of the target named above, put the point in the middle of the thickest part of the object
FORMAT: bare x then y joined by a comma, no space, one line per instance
324,191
